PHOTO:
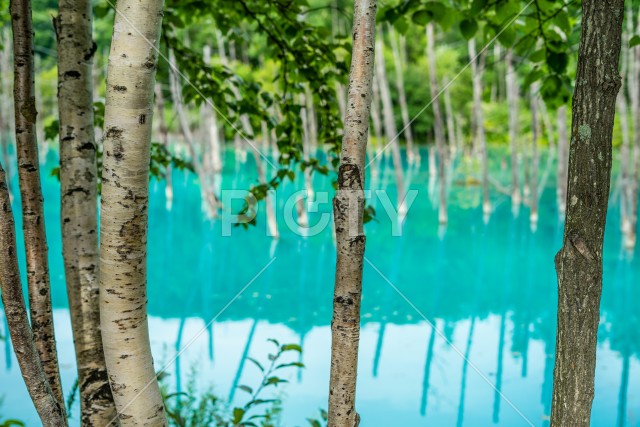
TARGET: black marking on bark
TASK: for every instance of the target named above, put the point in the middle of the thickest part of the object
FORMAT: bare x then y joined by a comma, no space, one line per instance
118,88
72,74
91,52
349,177
87,146
114,132
142,119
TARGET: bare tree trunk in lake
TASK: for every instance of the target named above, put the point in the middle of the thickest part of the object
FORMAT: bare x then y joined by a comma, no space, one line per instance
211,124
579,262
5,106
348,208
125,198
391,133
535,135
451,124
633,82
512,102
210,202
79,216
164,138
49,407
438,124
375,115
412,155
623,114
35,238
563,159
480,143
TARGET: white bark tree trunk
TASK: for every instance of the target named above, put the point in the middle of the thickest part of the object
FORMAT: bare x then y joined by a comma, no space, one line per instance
125,197
535,135
164,138
79,199
348,207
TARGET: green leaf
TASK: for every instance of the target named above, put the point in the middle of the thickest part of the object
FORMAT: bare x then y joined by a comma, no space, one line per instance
557,61
634,41
238,413
468,28
422,17
291,347
246,388
255,362
477,6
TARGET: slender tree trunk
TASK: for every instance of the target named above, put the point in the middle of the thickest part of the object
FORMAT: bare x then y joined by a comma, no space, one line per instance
78,187
375,115
35,238
49,407
634,94
563,159
512,102
211,125
438,124
480,143
125,196
348,207
412,155
210,202
451,124
579,262
164,138
5,108
535,135
390,130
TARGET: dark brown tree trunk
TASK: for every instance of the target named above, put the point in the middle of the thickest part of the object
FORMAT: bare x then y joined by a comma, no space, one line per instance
579,262
49,408
31,193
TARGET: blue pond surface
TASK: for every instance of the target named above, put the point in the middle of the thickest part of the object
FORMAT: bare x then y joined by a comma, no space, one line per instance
458,325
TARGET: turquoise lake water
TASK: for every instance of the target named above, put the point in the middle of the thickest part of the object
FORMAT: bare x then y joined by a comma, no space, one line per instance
483,291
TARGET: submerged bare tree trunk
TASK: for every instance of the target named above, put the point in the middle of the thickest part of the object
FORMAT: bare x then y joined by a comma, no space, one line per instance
210,202
164,138
125,197
535,134
579,262
480,143
49,407
348,208
451,123
512,102
437,124
78,186
5,107
35,238
412,155
563,159
390,131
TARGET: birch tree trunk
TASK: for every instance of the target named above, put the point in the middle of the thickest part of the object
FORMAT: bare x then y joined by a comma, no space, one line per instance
5,108
211,124
579,262
563,159
78,185
390,130
35,238
512,102
412,155
634,92
480,143
348,208
49,407
438,124
125,196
